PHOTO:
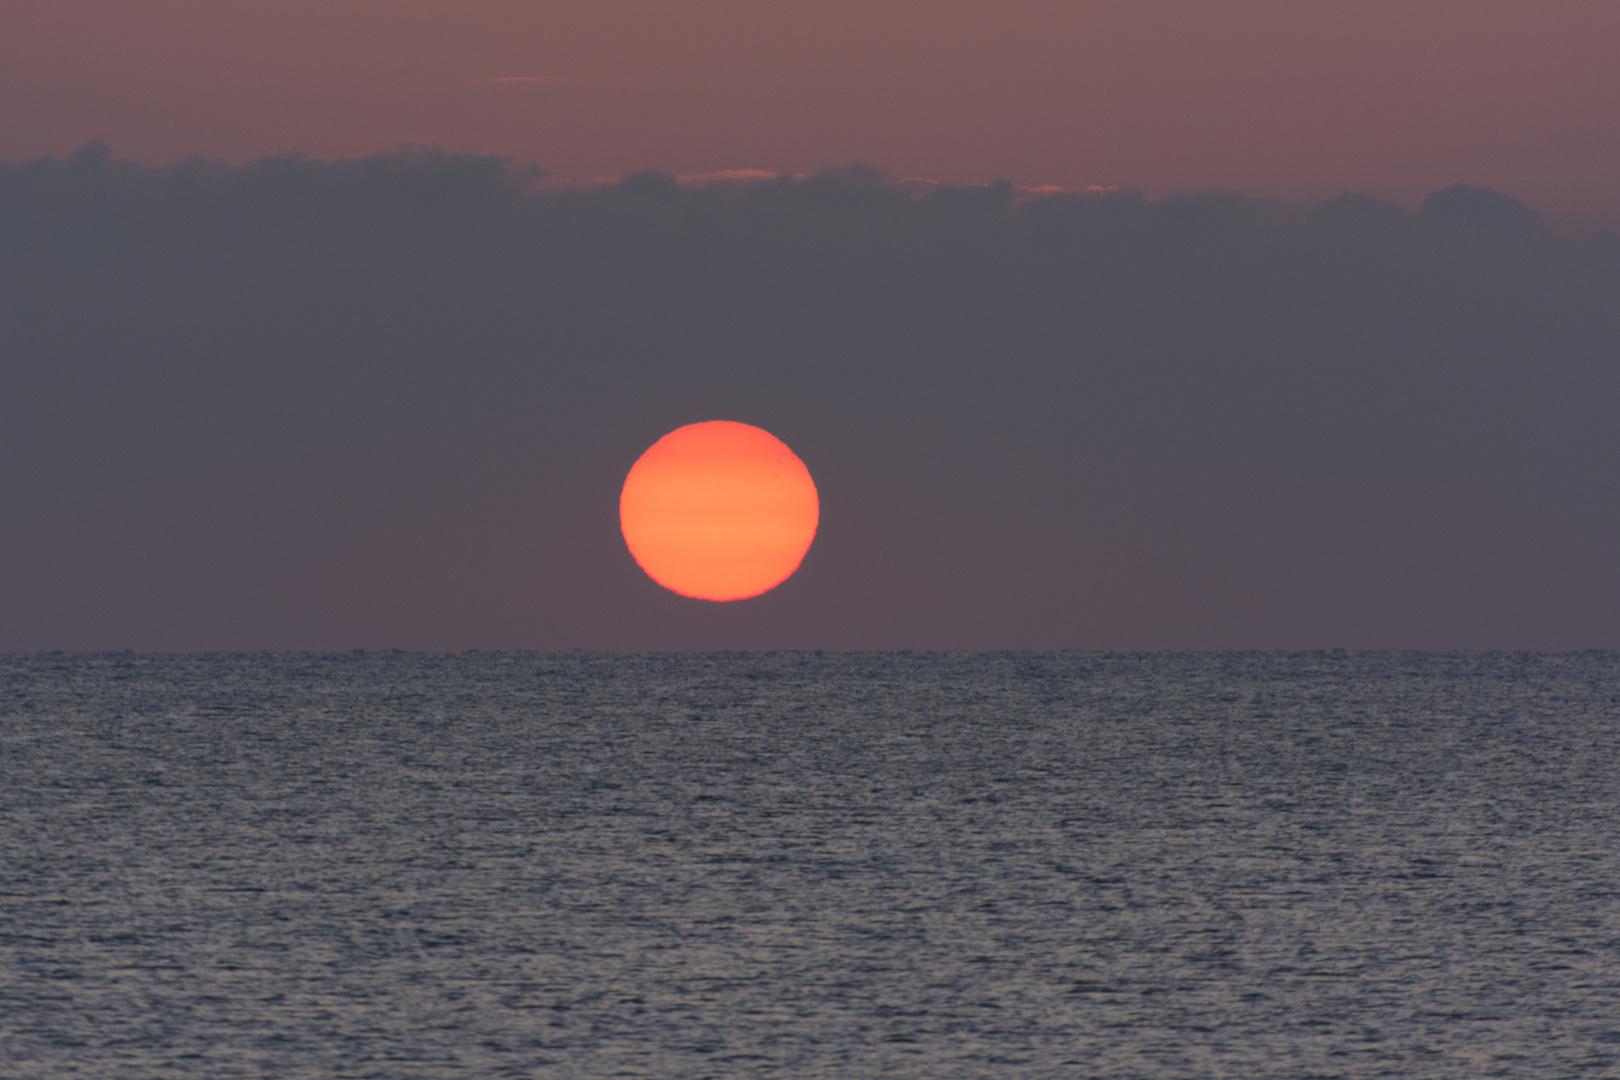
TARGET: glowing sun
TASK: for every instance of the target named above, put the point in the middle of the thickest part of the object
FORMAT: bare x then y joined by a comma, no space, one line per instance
719,511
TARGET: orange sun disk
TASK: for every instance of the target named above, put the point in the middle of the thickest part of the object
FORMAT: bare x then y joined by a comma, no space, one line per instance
719,511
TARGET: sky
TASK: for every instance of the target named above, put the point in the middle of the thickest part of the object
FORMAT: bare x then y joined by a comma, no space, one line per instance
1100,326
1393,98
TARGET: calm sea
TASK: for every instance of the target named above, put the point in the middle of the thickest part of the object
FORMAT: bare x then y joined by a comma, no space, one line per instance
798,865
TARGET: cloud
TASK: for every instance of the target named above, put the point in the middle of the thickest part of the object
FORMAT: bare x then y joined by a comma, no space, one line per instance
924,185
1481,209
389,401
730,176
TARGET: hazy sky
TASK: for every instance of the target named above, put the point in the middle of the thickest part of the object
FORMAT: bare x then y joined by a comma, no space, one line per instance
390,402
269,381
1271,97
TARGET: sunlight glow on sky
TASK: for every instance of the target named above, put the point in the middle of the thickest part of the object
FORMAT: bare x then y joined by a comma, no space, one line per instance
1390,97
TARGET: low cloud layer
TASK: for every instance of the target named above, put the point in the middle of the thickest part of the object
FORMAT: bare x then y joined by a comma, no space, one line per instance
389,402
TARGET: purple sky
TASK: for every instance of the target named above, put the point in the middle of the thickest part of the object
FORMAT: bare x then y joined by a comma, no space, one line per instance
1271,97
372,398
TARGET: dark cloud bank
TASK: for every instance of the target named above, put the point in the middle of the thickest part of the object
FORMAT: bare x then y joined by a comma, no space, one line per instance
389,403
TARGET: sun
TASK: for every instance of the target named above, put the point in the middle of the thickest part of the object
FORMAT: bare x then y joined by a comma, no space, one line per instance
719,511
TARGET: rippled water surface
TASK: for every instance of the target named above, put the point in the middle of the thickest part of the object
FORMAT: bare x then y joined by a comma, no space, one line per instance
797,865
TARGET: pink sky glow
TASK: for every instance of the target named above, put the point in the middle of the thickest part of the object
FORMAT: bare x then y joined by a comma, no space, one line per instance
1272,97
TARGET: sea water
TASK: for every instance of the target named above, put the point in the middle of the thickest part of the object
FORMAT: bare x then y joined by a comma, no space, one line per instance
806,865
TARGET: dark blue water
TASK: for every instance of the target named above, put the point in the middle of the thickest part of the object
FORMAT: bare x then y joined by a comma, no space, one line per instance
1320,865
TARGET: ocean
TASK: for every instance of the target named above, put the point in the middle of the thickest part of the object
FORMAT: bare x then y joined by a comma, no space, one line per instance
802,865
